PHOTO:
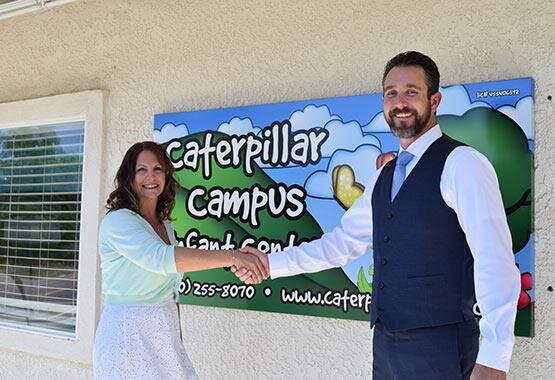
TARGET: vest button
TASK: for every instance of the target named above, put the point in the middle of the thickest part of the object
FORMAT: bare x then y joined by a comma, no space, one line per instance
381,285
389,215
386,238
384,261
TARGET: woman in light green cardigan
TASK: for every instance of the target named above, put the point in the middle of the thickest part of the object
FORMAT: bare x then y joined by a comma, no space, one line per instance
139,333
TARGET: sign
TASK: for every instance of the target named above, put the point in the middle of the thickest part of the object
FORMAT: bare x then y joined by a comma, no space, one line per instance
272,176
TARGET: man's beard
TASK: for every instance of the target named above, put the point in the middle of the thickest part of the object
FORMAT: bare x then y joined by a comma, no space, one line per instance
405,129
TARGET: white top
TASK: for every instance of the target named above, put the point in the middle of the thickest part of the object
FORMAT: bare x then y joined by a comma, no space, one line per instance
469,186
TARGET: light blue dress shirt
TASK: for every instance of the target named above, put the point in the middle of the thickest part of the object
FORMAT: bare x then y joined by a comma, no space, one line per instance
137,266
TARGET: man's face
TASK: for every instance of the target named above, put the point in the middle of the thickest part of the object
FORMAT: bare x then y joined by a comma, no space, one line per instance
407,108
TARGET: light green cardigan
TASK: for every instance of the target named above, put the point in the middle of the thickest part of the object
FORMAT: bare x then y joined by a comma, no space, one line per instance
137,266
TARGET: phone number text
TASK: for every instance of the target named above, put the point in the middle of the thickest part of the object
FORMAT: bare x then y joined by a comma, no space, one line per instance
206,289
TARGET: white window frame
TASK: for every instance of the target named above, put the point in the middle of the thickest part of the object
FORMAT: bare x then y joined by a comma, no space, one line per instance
84,106
17,7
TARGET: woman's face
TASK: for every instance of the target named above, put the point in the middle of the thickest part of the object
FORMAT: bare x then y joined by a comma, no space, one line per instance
150,177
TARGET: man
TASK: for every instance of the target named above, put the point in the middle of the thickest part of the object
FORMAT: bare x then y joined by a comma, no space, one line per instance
436,221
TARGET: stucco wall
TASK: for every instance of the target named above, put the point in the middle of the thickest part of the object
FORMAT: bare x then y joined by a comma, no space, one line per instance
166,56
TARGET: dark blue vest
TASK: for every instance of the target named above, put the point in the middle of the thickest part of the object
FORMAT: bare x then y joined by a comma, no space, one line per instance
423,268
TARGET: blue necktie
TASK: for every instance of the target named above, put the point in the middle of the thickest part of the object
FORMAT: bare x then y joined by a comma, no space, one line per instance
399,173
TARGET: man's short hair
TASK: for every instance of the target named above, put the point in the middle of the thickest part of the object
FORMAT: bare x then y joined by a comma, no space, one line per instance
414,58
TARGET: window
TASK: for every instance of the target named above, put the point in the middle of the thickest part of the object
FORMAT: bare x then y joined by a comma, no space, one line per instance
40,209
9,8
49,215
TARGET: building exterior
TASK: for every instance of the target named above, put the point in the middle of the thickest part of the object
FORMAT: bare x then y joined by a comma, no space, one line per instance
111,65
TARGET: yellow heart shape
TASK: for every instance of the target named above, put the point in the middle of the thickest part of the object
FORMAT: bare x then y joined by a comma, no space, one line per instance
345,189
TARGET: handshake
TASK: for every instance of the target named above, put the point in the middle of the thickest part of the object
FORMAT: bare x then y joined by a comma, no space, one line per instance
250,265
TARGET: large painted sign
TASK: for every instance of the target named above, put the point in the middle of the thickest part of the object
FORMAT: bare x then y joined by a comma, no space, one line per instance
272,176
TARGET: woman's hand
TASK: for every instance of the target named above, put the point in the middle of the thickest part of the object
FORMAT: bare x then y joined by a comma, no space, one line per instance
250,265
245,274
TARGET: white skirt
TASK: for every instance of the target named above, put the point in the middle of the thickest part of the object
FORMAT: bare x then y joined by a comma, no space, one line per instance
140,342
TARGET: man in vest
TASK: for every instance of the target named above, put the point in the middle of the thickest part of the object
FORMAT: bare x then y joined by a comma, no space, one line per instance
440,238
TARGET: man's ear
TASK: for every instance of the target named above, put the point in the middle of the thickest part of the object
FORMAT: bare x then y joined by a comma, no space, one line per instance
435,99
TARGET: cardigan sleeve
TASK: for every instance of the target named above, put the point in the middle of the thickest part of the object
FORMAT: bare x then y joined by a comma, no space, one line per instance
125,233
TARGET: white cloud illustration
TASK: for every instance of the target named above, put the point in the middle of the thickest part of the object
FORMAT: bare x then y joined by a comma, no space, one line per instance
311,117
170,131
346,136
376,125
362,161
522,115
455,101
238,126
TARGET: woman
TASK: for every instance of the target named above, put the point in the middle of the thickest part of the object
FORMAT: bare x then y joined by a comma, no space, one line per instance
139,332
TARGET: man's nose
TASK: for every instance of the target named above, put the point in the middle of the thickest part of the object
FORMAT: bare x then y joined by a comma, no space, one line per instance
401,101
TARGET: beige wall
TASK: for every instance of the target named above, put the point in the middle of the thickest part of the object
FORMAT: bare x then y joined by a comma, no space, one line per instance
166,56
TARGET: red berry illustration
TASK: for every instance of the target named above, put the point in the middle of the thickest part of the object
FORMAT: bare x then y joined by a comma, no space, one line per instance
526,281
523,300
525,284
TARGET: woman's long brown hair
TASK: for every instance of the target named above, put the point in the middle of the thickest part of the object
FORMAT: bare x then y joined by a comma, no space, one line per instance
124,197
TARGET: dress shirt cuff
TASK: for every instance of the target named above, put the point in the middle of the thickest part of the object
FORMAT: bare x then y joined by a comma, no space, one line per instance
279,266
495,355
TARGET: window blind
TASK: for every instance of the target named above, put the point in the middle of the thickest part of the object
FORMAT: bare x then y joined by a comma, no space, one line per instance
40,211
9,8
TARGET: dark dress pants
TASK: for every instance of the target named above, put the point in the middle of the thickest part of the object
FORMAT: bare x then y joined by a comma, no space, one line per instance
432,353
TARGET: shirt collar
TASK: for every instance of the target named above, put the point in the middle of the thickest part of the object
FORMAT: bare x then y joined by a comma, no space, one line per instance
420,145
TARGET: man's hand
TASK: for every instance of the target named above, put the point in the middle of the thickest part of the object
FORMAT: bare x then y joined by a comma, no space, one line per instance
481,372
245,274
256,266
